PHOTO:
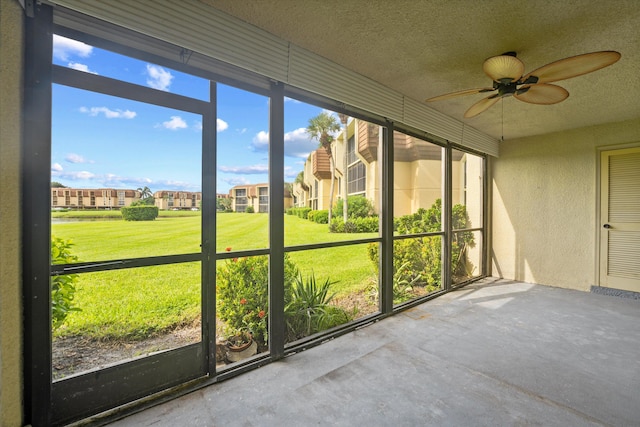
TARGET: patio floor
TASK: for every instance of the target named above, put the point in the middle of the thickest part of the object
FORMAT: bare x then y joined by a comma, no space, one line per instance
494,353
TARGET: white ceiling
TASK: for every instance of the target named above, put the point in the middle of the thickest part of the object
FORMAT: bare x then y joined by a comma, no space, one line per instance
424,48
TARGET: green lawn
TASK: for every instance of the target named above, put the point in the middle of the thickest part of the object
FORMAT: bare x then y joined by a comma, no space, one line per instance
142,301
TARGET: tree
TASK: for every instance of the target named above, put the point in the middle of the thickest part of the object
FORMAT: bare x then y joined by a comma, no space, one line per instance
145,192
223,204
55,184
320,128
345,165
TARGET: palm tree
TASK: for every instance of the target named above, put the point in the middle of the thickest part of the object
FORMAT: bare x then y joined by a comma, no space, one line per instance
320,128
344,118
145,192
146,196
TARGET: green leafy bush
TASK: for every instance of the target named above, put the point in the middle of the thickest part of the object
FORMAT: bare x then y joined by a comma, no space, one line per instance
404,281
139,213
63,286
147,201
356,225
421,257
299,212
320,217
357,207
242,290
249,209
309,310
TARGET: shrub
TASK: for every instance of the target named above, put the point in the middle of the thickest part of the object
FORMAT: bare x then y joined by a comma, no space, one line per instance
320,217
139,213
63,286
309,311
357,207
299,212
422,256
403,282
242,290
368,224
249,209
355,225
148,201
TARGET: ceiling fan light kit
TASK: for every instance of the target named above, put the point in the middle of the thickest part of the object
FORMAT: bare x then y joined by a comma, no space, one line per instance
507,73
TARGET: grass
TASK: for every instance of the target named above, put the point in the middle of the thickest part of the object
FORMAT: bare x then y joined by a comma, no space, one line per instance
138,303
114,214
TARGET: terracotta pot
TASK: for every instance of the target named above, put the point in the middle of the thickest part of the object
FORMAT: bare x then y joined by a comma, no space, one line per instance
237,353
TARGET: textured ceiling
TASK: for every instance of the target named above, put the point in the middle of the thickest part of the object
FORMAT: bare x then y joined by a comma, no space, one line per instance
424,48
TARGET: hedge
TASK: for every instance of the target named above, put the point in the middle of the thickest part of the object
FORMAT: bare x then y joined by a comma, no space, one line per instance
139,213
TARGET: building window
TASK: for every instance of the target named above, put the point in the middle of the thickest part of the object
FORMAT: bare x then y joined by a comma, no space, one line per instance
356,171
67,198
170,202
241,199
54,198
263,198
92,198
80,200
357,179
120,198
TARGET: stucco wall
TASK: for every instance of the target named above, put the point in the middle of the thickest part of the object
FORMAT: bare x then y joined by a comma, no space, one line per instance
544,205
11,43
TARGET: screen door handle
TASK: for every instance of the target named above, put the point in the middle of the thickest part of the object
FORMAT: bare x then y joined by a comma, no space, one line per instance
607,226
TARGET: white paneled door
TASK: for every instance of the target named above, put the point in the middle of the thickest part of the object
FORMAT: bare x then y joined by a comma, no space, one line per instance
620,219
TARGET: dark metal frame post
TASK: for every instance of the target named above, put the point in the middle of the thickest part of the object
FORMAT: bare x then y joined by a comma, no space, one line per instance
446,220
276,222
208,210
386,223
36,222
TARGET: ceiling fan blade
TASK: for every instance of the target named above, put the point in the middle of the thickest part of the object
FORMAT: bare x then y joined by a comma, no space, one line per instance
503,67
545,94
481,106
460,93
573,66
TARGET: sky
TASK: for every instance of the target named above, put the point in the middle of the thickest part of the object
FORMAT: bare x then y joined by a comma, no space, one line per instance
100,141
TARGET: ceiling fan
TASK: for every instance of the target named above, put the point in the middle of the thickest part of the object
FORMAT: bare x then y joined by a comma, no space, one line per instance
507,71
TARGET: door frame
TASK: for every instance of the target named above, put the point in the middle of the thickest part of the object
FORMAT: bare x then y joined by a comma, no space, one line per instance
52,403
599,261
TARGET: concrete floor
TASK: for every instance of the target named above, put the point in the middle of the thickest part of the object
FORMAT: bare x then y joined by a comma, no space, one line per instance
494,353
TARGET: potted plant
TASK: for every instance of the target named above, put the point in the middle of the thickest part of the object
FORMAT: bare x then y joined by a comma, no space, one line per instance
240,346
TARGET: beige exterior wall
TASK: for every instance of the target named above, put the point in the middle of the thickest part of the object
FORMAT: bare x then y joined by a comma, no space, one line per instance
11,60
544,197
103,198
167,200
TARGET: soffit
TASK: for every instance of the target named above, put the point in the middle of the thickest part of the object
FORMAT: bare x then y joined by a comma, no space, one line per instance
426,48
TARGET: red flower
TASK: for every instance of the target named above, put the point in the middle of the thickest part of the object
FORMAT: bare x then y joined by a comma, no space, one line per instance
261,314
234,259
228,249
243,301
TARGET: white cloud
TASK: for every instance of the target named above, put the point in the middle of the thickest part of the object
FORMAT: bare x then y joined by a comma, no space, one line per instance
289,172
237,181
296,143
108,113
63,48
73,176
76,158
159,78
247,170
80,67
175,123
116,181
221,125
